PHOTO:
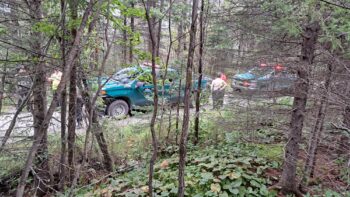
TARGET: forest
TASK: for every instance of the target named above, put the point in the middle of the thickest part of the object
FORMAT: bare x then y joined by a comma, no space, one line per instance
175,98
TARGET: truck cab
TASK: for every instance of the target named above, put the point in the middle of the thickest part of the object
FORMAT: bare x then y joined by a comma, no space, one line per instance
132,88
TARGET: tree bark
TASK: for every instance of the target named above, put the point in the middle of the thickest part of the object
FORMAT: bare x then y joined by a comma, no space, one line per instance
288,178
41,165
151,4
125,40
3,79
318,128
159,33
73,4
180,34
132,27
151,25
90,101
188,89
62,170
344,144
200,72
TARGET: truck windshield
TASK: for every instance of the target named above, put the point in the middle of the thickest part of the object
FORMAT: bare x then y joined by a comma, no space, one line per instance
126,74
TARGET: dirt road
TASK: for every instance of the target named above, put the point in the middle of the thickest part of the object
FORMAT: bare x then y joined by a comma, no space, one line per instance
24,123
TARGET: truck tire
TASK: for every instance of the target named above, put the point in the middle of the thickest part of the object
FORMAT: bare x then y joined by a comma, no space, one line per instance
118,108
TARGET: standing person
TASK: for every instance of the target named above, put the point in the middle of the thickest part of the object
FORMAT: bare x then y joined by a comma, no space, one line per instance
55,79
223,77
24,83
218,91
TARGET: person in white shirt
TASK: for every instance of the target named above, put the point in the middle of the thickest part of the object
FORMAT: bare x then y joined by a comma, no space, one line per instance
218,91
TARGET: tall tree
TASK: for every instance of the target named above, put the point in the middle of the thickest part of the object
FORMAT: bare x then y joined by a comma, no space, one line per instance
132,27
41,164
180,30
42,128
310,35
125,41
200,72
151,26
187,101
159,32
63,158
73,5
315,136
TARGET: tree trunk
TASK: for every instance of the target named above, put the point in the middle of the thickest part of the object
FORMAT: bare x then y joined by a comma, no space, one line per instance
180,34
318,128
344,144
200,72
62,170
132,27
151,4
3,80
159,33
96,128
288,178
63,157
188,89
41,165
73,4
42,130
125,40
151,25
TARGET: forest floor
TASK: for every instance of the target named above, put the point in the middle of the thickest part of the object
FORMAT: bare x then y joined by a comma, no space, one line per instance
252,128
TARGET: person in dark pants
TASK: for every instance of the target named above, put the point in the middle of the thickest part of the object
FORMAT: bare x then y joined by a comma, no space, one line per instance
218,91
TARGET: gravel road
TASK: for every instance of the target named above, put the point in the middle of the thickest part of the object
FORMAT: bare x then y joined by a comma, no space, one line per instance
24,123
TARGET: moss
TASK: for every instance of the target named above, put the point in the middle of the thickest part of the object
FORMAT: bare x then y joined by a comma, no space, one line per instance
269,151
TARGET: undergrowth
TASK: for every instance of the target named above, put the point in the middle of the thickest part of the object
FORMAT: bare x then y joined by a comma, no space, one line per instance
226,169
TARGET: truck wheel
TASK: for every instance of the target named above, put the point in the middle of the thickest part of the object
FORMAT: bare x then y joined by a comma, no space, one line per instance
118,108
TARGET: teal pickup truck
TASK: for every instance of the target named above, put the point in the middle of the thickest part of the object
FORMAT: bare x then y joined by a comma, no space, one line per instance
264,79
132,88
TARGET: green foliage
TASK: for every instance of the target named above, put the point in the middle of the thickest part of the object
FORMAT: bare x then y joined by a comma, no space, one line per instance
2,30
286,101
45,27
74,23
222,170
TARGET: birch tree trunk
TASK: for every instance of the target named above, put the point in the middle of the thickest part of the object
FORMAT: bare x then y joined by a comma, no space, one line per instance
200,72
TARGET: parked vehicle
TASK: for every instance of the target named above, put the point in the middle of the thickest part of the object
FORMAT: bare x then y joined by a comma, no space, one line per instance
264,79
132,88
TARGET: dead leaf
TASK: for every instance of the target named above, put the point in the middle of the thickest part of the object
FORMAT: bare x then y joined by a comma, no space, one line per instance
145,189
215,187
164,164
